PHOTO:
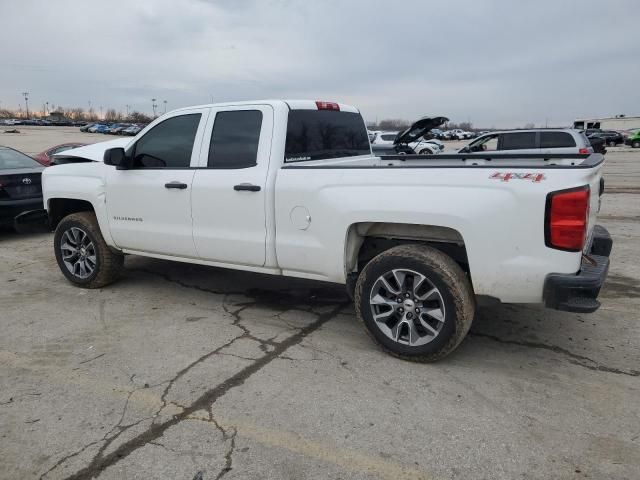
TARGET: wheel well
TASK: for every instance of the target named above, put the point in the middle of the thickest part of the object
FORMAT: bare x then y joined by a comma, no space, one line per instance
367,240
61,207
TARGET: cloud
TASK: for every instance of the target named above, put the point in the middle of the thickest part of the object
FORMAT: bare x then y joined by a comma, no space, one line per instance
496,63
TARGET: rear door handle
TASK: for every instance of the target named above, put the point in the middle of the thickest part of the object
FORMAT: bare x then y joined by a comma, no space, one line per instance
247,187
178,185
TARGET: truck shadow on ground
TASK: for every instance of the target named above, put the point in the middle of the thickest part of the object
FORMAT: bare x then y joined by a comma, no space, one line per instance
507,327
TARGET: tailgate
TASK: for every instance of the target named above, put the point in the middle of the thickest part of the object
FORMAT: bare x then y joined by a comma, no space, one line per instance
596,185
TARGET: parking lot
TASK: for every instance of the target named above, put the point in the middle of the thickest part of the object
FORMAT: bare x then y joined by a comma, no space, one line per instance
182,371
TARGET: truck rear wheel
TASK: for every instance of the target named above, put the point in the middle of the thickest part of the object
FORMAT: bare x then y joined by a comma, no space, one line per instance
415,302
82,254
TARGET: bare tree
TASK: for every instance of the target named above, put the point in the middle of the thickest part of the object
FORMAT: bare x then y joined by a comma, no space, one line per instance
76,113
393,124
137,117
111,115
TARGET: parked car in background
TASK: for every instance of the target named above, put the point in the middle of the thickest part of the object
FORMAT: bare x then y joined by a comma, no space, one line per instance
44,158
598,144
20,184
458,134
86,127
117,128
541,140
385,141
10,121
383,138
409,141
99,128
427,146
610,137
437,133
132,130
633,139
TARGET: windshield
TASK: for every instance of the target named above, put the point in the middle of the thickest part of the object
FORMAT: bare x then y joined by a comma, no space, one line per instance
321,134
10,159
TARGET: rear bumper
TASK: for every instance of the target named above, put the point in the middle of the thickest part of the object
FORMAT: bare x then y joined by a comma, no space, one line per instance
10,209
579,292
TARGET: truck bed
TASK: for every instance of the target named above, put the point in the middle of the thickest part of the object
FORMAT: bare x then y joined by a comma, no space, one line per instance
458,160
495,204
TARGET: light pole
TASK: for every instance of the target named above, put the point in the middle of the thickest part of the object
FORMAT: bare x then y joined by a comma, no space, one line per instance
26,101
128,106
153,105
47,110
101,113
165,106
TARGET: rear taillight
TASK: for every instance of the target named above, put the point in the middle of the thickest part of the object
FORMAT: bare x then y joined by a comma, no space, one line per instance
327,106
584,151
566,219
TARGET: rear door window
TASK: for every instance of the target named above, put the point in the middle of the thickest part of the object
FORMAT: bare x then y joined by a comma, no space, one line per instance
518,141
321,134
556,140
235,138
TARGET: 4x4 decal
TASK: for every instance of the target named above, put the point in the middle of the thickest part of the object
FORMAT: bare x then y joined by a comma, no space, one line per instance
505,177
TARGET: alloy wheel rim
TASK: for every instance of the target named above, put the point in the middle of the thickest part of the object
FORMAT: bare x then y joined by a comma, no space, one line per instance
407,307
78,252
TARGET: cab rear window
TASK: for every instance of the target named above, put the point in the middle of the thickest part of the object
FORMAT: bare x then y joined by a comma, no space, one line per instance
322,134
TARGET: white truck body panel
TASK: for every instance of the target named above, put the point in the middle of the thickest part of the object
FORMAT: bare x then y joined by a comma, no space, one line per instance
501,223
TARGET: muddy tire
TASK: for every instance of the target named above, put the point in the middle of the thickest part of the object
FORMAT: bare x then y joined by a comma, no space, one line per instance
82,254
415,302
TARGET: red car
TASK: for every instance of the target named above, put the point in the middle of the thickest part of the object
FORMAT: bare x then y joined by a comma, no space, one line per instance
45,157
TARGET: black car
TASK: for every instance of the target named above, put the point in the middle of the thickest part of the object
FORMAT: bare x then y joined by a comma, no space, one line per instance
20,184
597,143
610,137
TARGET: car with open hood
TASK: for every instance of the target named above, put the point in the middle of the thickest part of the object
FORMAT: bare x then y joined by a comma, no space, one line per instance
404,141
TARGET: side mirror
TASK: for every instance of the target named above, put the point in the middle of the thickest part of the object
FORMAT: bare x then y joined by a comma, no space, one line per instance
465,150
115,157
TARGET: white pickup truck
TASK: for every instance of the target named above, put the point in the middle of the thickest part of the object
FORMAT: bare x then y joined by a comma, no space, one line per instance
291,188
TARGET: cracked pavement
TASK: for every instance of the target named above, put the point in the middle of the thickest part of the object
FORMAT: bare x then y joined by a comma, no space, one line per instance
188,372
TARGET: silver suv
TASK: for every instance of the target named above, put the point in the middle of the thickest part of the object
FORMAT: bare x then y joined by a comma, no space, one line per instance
540,140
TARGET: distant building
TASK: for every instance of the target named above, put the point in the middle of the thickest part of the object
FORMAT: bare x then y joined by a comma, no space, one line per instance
619,122
57,117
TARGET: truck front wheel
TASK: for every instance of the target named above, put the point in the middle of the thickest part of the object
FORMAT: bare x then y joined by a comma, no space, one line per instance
82,254
415,302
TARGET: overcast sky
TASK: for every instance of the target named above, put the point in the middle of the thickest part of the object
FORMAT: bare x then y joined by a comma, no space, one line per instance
496,63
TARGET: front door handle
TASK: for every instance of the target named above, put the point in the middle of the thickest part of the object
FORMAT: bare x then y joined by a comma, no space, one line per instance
247,187
178,185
